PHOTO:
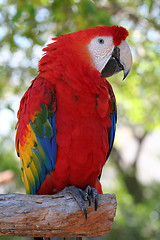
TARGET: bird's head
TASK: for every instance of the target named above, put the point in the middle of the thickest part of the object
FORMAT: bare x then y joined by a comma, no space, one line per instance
103,48
109,52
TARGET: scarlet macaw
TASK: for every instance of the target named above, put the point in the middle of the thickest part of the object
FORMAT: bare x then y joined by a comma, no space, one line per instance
67,118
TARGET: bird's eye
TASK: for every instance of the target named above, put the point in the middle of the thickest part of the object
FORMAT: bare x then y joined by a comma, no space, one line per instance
101,40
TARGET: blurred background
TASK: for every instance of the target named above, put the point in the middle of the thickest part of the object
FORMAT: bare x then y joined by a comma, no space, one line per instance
133,169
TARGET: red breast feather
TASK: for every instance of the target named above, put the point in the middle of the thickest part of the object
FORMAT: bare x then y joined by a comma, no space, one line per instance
83,108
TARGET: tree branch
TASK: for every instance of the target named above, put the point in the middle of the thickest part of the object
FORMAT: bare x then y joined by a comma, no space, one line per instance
54,216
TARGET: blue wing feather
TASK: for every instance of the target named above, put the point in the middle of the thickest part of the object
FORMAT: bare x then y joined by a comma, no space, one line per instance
113,117
47,158
53,143
112,131
49,146
36,134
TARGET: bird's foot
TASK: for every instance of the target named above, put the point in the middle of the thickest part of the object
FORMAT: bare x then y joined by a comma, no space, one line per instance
90,194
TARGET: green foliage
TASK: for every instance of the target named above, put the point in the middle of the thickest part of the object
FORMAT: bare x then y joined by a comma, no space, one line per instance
25,28
136,221
8,160
14,238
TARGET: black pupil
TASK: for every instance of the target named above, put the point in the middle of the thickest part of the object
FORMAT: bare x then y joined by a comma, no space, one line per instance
100,40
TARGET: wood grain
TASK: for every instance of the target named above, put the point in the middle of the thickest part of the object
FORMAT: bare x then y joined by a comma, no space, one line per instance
54,216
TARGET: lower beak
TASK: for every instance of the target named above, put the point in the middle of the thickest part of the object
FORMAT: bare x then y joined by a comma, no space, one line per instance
114,65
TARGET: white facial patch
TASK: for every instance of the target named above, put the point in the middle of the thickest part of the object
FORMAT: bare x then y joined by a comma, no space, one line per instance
101,48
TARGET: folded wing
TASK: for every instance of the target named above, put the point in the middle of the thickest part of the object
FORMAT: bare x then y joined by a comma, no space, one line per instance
36,134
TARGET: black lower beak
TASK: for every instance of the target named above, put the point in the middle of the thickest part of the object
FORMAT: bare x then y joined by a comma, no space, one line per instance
113,66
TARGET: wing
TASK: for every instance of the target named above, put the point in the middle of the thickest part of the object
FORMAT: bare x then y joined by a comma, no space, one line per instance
112,130
36,134
113,117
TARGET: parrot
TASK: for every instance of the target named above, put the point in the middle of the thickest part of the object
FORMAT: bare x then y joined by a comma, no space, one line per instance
67,117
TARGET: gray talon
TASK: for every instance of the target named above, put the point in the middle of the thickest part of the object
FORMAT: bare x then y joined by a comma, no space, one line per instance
81,196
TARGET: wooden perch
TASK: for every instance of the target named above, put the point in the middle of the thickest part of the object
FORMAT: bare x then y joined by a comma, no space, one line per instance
54,216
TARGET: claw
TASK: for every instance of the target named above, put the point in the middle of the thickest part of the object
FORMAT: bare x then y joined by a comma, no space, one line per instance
85,212
81,197
88,190
94,195
96,204
84,194
89,200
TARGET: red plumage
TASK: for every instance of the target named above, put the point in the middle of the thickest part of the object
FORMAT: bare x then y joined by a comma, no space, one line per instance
82,112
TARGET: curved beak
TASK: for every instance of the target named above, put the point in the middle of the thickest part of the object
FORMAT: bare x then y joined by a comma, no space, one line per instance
121,59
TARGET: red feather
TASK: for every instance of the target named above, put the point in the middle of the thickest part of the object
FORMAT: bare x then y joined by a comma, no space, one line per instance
83,108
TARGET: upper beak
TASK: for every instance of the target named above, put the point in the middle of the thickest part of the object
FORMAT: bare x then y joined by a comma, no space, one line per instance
121,59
